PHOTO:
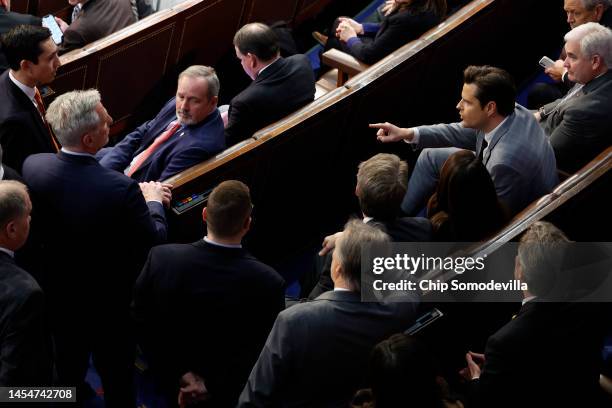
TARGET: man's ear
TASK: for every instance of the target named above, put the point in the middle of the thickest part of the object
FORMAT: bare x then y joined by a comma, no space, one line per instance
247,223
10,229
204,215
214,100
599,10
518,269
491,108
596,61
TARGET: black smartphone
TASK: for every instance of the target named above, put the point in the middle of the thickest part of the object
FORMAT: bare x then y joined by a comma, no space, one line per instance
56,32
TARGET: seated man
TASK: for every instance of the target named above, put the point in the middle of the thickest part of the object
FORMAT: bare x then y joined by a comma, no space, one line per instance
32,57
317,352
187,131
25,358
528,362
505,137
381,185
579,124
236,295
280,85
105,223
93,20
9,20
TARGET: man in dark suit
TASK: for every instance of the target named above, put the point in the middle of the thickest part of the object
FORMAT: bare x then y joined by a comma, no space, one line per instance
9,20
280,85
32,56
24,346
95,20
95,228
235,296
381,186
579,123
187,131
317,352
527,362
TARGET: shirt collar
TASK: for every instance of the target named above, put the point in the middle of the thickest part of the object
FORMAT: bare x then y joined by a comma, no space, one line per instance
8,251
339,289
262,70
209,241
64,150
1,172
528,299
489,136
30,92
367,219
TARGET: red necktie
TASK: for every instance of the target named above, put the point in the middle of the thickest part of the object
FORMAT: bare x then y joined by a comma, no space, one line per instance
41,109
142,157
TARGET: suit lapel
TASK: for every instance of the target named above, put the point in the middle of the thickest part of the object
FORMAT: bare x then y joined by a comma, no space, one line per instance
35,115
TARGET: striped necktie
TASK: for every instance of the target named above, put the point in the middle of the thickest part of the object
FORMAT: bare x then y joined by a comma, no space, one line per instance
142,157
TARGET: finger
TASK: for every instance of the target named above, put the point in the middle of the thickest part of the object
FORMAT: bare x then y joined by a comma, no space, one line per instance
378,125
168,185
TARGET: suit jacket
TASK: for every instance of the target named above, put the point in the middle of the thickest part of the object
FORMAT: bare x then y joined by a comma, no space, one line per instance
317,352
97,19
189,146
520,160
395,30
22,130
8,20
10,174
24,353
579,128
528,360
95,231
283,87
223,300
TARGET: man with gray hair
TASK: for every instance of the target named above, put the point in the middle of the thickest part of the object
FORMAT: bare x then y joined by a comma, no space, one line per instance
579,123
187,131
528,361
94,229
24,343
317,351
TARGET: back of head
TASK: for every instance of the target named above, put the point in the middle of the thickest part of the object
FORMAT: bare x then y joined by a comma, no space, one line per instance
493,85
401,373
540,255
13,204
257,39
348,248
23,43
594,39
591,4
381,186
73,114
228,208
467,196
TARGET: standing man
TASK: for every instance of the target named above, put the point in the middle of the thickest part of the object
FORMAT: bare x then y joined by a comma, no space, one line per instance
32,57
236,296
24,346
187,131
280,85
95,228
505,136
579,123
9,20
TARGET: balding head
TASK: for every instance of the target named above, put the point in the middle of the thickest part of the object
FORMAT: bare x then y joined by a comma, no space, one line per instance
259,40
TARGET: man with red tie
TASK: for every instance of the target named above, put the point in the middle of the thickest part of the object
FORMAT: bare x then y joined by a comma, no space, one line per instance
33,61
187,131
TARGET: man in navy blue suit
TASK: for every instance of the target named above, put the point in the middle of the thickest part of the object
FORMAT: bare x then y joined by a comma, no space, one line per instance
94,228
187,131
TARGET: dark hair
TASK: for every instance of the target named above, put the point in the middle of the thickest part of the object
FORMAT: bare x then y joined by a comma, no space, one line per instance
23,43
228,207
257,39
493,85
438,7
465,206
396,363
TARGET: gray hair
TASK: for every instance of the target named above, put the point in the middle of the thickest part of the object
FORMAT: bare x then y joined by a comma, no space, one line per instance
208,74
73,114
590,4
13,201
594,39
540,254
348,248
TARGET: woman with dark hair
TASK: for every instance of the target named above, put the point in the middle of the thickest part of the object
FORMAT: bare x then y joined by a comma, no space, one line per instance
401,373
370,42
465,207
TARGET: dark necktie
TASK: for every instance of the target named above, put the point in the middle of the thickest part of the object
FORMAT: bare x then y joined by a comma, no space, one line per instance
42,111
483,146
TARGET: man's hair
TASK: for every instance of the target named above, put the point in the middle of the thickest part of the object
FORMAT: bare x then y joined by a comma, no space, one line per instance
590,4
73,114
257,39
23,43
540,256
593,39
13,201
208,73
381,184
228,207
348,248
492,84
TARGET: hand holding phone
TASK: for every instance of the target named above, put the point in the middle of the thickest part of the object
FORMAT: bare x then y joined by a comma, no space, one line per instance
56,32
546,62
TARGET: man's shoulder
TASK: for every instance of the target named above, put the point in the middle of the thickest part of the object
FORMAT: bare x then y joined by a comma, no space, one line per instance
12,19
11,107
17,283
